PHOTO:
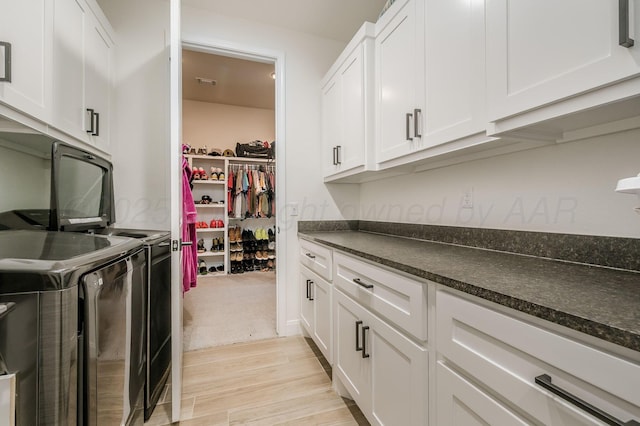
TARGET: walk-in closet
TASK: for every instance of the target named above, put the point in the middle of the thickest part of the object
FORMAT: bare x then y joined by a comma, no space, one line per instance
228,131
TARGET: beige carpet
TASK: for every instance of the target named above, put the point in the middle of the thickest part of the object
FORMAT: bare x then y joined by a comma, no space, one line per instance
229,309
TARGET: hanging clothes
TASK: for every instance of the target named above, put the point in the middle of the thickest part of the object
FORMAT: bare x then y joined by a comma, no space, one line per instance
251,191
189,253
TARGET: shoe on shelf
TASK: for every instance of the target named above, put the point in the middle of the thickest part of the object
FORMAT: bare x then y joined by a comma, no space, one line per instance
201,248
214,174
219,223
214,244
271,235
202,267
232,235
271,254
271,245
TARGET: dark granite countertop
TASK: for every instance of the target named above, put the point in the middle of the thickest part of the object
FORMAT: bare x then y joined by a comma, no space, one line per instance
602,302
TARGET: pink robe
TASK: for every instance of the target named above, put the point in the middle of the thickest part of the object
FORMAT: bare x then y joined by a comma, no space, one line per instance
189,253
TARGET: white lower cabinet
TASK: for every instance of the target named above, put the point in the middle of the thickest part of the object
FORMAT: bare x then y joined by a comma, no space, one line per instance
383,371
462,403
315,310
486,357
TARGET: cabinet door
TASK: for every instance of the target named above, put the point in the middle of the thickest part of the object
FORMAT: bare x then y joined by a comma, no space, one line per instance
461,403
351,149
98,81
68,67
354,374
331,125
321,294
541,51
399,51
27,26
455,70
306,300
399,376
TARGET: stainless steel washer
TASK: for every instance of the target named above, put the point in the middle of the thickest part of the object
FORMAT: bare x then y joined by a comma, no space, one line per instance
41,273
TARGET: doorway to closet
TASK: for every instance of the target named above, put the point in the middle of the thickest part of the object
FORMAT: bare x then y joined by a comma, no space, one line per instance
230,99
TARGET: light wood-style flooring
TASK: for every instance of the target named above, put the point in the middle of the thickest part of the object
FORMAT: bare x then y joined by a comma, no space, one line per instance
280,381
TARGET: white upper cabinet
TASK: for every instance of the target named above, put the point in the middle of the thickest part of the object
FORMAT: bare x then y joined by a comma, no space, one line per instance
430,91
347,108
540,52
399,89
25,56
455,70
98,83
82,72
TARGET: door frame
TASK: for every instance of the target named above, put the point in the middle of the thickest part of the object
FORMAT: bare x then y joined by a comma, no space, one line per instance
224,48
177,43
174,51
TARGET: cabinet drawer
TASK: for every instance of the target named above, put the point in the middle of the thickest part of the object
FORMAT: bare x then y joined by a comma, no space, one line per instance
399,299
317,258
506,354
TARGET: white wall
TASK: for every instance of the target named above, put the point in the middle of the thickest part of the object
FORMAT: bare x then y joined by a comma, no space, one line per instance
221,126
25,181
307,58
567,188
140,138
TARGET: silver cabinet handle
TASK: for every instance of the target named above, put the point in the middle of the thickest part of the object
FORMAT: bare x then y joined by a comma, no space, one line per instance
338,151
416,123
544,380
335,155
408,129
7,61
623,24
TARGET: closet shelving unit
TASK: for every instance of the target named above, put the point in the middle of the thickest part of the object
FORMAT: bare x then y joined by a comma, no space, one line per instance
217,190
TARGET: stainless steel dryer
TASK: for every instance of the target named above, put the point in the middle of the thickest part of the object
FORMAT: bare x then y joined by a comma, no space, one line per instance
63,352
158,313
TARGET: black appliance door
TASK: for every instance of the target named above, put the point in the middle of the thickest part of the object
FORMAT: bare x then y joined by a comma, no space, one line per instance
158,323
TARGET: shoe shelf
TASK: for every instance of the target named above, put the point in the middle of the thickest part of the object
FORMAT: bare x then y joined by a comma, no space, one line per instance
211,253
209,182
204,157
205,230
226,261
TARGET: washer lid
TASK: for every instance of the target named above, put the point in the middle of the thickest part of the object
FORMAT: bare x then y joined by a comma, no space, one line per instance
43,260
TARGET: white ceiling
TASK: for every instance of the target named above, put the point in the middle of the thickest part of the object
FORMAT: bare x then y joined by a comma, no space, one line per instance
334,19
238,81
246,83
